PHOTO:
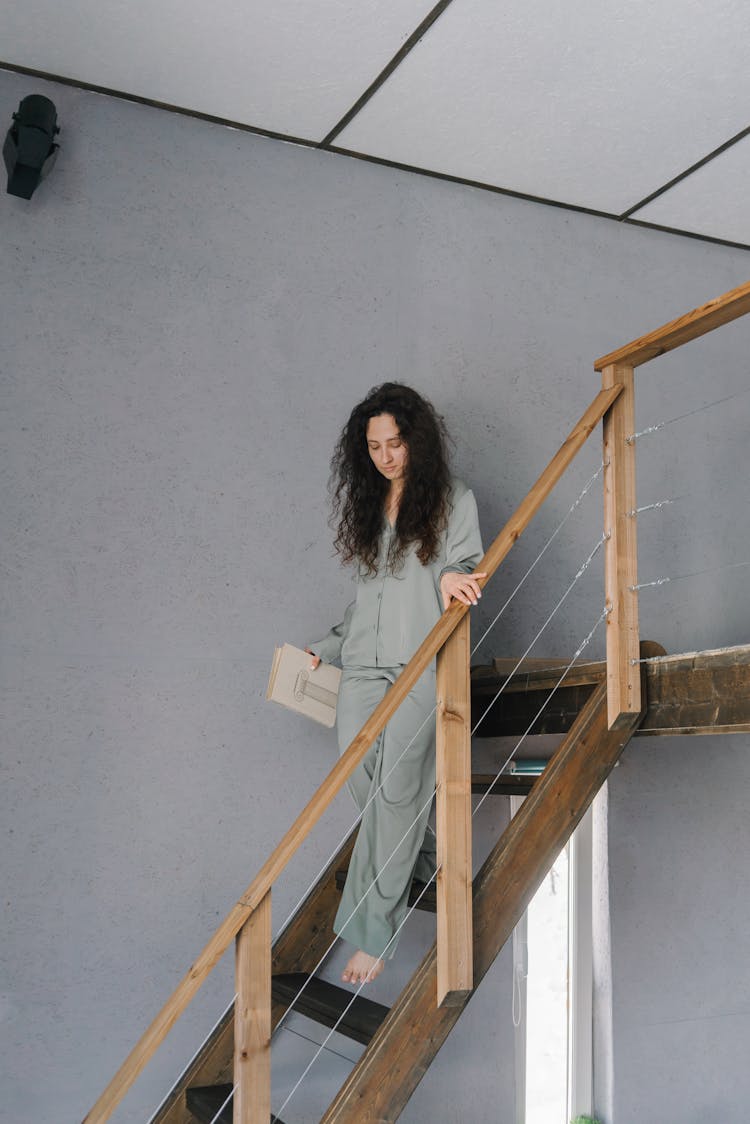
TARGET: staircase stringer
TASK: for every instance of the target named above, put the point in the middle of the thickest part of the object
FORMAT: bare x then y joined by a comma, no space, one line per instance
399,1055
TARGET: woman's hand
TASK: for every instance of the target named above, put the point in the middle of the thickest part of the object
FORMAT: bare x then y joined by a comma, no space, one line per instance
314,661
462,587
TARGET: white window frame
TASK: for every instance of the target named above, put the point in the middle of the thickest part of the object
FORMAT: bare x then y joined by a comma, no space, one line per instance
581,970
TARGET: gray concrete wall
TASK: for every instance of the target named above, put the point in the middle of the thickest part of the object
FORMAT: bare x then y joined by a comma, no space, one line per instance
188,313
679,842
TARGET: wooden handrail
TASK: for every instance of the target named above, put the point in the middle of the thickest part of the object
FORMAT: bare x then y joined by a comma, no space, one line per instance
256,892
720,310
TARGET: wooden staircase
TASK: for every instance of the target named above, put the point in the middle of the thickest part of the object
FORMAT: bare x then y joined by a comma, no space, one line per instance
697,693
402,1041
598,711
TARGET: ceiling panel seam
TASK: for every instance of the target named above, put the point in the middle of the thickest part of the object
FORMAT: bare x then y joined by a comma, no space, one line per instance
480,184
687,172
387,71
366,158
686,233
538,199
167,107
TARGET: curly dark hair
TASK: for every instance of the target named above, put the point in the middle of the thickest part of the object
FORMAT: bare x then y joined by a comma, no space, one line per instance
359,490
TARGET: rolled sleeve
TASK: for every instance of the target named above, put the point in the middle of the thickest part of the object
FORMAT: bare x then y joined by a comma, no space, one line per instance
463,548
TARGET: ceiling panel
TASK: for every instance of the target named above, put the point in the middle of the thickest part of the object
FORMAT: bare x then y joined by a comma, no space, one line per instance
293,67
596,103
712,201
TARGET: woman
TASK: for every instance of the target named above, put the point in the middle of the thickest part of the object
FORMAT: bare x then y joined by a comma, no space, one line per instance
413,533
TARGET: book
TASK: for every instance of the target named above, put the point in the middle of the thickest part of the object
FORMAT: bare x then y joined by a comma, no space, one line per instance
294,685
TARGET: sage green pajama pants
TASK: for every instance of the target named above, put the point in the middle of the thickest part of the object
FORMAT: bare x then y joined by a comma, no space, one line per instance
395,842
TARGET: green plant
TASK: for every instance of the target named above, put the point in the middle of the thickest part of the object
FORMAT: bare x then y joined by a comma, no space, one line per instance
585,1120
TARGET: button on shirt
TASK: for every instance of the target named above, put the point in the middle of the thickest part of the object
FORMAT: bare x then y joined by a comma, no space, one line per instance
393,611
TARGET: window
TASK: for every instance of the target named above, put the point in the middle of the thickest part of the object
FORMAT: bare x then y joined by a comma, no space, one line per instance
552,993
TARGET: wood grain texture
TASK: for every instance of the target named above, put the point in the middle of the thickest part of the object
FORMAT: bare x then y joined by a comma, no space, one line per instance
453,817
691,693
621,551
252,1019
399,1055
542,670
698,693
720,310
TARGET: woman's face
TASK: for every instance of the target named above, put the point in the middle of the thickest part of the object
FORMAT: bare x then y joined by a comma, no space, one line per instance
388,450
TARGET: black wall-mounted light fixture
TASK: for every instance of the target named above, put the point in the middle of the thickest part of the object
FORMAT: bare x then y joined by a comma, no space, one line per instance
30,150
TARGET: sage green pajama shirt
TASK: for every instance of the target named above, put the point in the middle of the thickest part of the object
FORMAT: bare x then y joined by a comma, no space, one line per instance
382,629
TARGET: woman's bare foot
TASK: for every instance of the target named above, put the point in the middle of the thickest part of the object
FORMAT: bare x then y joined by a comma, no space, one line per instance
362,968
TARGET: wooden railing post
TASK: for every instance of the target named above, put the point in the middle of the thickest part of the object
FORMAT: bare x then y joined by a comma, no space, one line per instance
621,558
252,1018
453,770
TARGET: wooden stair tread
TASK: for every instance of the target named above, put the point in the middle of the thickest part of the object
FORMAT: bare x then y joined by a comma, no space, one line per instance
205,1101
507,784
326,1003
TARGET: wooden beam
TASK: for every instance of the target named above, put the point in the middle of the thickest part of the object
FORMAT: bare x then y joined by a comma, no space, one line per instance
620,551
692,693
698,693
507,696
543,673
387,1074
542,670
697,323
252,1019
531,712
453,817
183,994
